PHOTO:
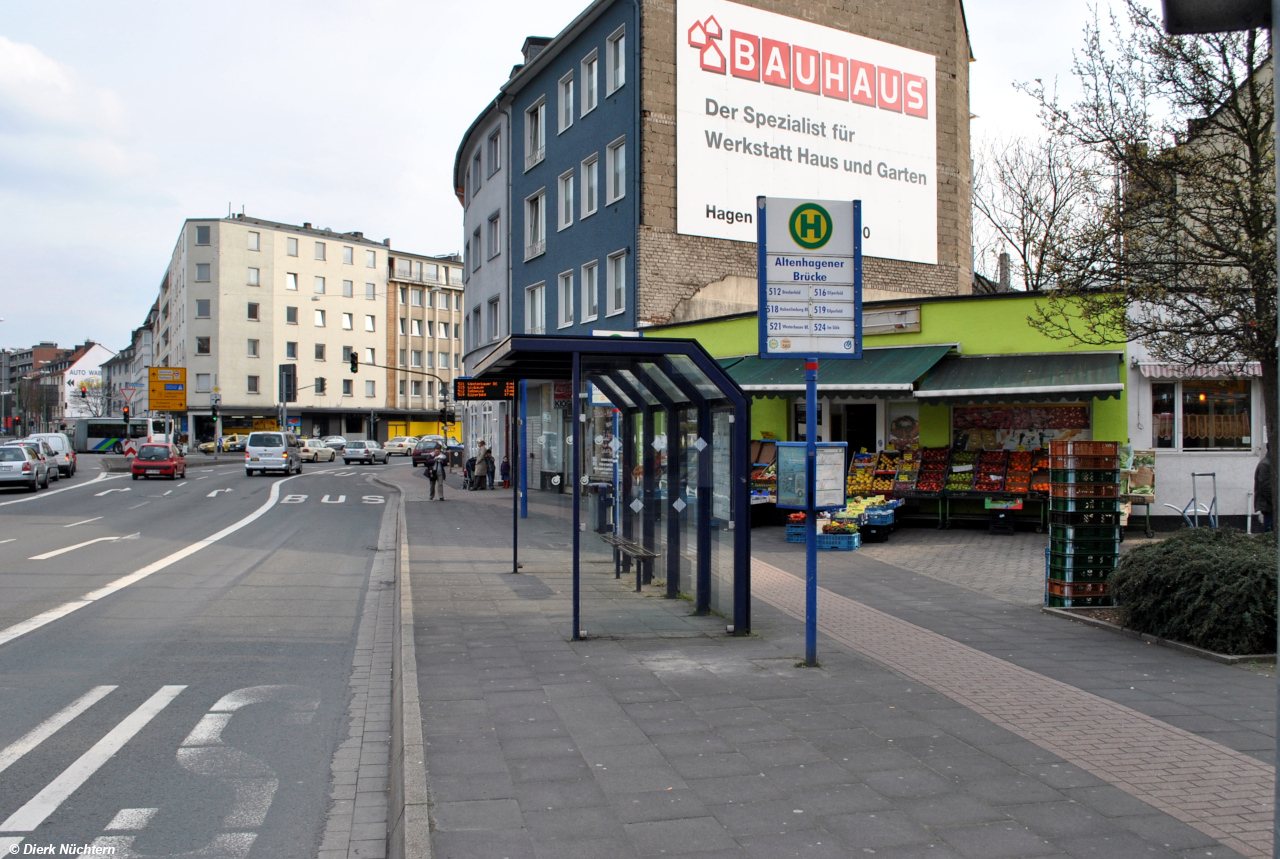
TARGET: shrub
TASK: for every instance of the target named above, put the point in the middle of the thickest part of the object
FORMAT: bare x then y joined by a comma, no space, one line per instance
1214,589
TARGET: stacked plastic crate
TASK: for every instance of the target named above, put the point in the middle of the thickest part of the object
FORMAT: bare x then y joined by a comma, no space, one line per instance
1084,522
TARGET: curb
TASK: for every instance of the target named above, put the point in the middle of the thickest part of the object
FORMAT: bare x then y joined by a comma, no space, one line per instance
1163,642
408,800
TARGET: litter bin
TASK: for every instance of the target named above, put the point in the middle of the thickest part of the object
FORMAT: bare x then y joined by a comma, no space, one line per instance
600,501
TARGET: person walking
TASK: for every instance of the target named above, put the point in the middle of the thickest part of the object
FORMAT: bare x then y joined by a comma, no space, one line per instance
482,468
506,473
490,467
435,473
1263,498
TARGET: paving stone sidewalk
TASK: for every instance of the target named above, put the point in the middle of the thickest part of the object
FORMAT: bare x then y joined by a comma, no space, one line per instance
661,735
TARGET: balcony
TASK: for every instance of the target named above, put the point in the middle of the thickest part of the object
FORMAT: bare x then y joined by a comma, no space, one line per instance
409,277
534,158
538,248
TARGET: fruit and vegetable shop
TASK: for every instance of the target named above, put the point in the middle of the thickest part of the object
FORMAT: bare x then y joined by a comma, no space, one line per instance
948,416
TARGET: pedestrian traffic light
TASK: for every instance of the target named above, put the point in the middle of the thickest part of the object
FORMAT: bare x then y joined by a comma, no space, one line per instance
126,413
355,362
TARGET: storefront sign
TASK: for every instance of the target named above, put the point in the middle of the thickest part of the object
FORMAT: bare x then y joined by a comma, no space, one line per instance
769,104
167,389
810,278
483,389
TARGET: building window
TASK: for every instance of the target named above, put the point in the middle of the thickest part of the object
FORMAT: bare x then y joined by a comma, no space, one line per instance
404,295
495,234
403,355
495,319
291,247
319,354
371,291
402,387
590,184
566,102
475,174
204,383
370,388
534,309
476,250
565,208
291,281
431,360
616,56
444,361
348,255
535,232
417,328
457,361
202,235
415,358
291,316
431,332
617,282
369,323
431,388
319,318
403,327
590,94
319,285
291,349
203,346
415,297
320,250
348,322
347,387
616,167
370,356
445,331
202,272
590,291
370,259
417,388
565,299
202,308
253,349
252,384
535,134
348,289
255,241
319,384
346,354
1199,414
495,152
252,311
254,275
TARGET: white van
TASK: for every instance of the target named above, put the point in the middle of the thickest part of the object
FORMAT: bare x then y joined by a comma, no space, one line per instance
64,453
272,451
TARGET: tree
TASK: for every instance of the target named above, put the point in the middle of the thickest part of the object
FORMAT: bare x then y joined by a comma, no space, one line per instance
1030,195
97,402
1178,246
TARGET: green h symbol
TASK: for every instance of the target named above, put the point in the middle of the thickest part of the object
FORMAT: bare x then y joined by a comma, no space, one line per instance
809,226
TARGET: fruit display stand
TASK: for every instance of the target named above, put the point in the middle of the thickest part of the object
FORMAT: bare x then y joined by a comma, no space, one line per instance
838,533
862,473
929,479
1084,530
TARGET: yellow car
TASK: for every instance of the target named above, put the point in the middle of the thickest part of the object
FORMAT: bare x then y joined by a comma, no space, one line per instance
315,450
228,441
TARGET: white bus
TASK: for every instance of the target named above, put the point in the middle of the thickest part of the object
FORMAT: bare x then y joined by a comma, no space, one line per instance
108,435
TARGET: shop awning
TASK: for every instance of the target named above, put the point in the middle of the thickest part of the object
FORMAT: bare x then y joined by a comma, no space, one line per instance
1060,377
1224,370
880,372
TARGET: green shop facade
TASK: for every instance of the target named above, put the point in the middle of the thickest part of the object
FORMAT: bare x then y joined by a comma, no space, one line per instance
967,374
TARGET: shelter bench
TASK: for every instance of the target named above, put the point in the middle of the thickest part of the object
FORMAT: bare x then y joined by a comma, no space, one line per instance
629,550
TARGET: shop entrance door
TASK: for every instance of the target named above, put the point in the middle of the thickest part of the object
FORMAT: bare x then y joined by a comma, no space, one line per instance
859,427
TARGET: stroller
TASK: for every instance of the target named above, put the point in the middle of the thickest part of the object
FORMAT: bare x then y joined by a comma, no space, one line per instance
468,474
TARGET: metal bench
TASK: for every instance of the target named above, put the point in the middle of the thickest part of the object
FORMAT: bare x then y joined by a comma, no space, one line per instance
629,550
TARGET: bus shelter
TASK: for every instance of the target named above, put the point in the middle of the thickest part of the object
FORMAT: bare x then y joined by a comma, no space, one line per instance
678,431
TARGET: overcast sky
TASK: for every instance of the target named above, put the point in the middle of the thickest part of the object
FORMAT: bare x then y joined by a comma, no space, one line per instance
120,119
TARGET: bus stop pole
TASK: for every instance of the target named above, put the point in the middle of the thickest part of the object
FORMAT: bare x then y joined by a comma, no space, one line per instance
516,426
810,514
523,448
576,429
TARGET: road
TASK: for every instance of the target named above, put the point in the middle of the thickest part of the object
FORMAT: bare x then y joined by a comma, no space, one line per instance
175,656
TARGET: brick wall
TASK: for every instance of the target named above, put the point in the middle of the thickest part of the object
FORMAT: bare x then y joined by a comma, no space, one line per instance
672,267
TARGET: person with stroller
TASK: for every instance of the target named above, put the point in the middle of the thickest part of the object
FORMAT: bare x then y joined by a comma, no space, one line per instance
436,469
468,473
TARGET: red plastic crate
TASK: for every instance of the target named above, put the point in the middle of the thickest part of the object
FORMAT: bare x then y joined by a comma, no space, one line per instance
1084,448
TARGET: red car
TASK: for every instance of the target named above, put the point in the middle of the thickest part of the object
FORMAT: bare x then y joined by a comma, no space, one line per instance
159,460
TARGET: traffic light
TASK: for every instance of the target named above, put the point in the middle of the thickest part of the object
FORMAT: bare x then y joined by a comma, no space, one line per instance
355,362
126,414
84,392
213,410
288,383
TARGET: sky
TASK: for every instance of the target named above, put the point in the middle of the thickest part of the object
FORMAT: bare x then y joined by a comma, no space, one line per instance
119,120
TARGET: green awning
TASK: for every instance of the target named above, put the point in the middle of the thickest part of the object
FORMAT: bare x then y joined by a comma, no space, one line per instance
1061,377
880,372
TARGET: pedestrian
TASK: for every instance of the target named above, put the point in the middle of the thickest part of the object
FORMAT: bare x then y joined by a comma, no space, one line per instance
482,468
219,444
1263,498
436,472
490,467
506,473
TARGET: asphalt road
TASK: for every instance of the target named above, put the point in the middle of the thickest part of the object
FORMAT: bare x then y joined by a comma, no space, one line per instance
175,656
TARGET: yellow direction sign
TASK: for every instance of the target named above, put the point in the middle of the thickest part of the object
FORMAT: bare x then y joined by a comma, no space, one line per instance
167,389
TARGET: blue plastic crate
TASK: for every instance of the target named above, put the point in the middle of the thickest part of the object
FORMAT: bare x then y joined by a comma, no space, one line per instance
840,542
879,517
795,533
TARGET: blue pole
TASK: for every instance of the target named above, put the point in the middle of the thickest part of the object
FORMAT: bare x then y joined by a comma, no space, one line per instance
617,472
811,515
523,445
576,431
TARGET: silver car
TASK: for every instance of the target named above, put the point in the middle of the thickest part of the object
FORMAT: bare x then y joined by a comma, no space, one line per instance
272,451
21,465
64,454
367,452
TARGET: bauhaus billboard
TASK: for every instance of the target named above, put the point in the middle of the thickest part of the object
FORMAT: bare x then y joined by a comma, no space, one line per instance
768,105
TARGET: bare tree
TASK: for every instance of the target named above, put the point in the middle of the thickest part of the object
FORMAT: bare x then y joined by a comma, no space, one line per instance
1030,195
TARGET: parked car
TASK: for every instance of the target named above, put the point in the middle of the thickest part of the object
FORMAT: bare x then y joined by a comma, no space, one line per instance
158,460
20,464
231,442
367,452
336,442
424,448
272,451
401,445
315,450
64,452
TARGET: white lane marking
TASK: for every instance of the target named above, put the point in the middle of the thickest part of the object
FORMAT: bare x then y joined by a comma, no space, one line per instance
341,499
51,726
56,552
132,818
46,802
214,493
34,623
9,845
10,540
109,491
177,486
49,492
143,504
202,478
170,492
82,522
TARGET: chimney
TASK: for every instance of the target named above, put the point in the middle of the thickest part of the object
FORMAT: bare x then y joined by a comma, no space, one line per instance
306,225
387,242
533,46
1005,284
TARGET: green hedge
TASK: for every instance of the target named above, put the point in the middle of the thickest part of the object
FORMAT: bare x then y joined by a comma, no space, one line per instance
1212,589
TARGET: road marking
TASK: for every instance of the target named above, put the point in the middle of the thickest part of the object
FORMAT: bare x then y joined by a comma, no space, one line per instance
49,492
341,499
202,478
373,499
83,522
9,845
34,623
132,818
51,725
10,540
170,492
46,802
179,486
143,504
109,491
56,552
215,492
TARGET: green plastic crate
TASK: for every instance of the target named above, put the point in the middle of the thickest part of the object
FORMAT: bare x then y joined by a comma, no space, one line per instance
1068,475
1082,505
1085,547
1081,561
1084,532
1054,601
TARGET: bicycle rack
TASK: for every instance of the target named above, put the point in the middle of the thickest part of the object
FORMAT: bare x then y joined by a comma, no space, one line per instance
1193,510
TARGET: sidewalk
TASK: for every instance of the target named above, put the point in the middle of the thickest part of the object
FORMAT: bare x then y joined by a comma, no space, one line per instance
941,723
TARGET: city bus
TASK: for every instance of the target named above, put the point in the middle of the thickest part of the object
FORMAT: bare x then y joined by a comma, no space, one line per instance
107,435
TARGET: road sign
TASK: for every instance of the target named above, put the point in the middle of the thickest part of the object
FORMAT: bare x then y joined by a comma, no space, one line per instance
130,447
483,389
128,394
810,278
167,389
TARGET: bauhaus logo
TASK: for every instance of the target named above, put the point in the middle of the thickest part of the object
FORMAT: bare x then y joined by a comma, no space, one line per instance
810,226
804,69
